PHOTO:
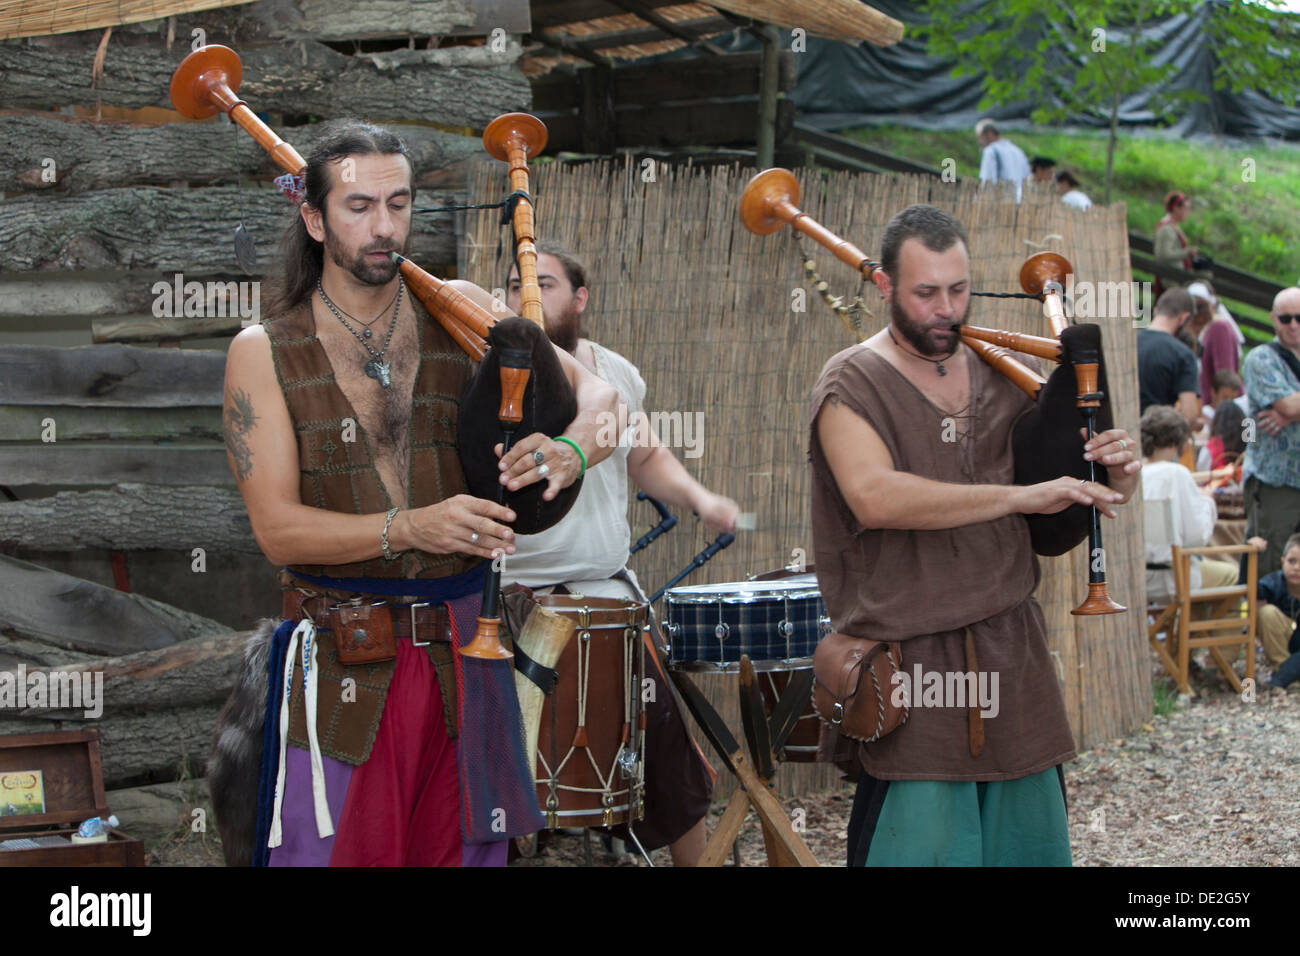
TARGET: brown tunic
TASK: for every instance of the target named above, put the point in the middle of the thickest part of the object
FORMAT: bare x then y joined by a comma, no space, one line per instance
924,588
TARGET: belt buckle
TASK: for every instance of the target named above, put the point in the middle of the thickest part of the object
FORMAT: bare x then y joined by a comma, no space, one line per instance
414,642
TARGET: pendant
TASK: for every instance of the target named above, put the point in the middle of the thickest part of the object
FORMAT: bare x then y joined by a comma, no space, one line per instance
942,370
379,370
366,333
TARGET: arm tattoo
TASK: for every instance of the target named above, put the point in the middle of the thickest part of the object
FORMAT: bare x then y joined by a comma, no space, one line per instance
238,420
833,399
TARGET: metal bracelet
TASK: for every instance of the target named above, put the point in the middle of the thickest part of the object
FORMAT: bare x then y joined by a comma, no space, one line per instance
383,538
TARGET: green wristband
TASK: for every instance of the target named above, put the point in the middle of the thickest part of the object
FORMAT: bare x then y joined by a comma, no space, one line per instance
581,457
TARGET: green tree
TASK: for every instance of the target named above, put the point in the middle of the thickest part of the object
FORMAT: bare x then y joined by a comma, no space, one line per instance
1086,56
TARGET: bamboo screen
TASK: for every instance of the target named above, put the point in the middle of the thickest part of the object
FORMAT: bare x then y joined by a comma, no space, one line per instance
43,17
704,309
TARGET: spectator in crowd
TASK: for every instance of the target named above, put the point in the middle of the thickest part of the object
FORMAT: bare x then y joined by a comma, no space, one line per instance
1042,169
1224,387
1002,160
1164,433
1227,442
1171,247
1071,195
1220,340
1190,334
1271,470
1279,605
1167,367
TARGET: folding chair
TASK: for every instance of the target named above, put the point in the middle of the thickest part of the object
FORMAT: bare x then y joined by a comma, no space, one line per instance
1218,622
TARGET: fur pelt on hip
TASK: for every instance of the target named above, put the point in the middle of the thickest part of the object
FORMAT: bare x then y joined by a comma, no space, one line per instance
235,764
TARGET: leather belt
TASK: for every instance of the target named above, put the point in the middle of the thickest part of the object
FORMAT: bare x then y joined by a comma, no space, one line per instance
421,623
593,613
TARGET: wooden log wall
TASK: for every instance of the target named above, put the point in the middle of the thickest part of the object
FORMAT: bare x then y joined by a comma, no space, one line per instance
115,449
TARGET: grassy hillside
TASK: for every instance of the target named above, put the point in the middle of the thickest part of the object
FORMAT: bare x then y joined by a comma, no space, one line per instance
1249,225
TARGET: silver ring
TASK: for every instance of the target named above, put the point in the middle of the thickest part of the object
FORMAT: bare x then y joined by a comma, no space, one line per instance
1082,483
543,471
538,458
1123,444
473,537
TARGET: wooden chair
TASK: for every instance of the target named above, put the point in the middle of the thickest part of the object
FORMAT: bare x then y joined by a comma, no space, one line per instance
1217,623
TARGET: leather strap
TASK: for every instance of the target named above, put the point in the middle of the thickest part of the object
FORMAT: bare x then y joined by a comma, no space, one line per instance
976,722
431,622
544,677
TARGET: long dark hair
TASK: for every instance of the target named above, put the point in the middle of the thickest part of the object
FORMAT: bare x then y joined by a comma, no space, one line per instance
303,255
1228,419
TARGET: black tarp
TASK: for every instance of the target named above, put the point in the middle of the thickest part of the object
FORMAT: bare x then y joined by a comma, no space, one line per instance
842,86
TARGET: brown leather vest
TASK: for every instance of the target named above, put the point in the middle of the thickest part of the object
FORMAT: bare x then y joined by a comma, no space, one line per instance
339,475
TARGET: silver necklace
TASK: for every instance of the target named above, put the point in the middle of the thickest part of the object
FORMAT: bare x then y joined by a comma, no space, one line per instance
376,368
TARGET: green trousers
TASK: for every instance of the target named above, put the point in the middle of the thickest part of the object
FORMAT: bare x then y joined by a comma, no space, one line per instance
1019,822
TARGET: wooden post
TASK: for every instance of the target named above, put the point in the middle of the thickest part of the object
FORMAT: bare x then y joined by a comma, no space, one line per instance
597,110
768,91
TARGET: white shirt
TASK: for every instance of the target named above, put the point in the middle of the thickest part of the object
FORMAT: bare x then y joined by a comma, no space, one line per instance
1076,199
1003,160
1193,526
592,540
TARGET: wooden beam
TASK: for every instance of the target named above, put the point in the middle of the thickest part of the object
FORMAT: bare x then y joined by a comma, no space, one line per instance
96,464
73,613
567,44
845,21
175,230
458,86
80,155
633,36
130,517
111,375
597,111
554,13
769,91
37,295
648,14
145,328
26,422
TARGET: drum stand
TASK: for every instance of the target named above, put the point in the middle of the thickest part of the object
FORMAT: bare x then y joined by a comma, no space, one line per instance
755,788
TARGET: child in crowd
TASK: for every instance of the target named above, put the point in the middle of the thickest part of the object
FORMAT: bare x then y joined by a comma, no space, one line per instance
1277,617
1164,434
1225,386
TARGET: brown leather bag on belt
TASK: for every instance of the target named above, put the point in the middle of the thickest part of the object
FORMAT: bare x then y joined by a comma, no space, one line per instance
853,690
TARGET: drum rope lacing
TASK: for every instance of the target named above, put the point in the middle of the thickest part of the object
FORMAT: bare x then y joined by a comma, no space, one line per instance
609,795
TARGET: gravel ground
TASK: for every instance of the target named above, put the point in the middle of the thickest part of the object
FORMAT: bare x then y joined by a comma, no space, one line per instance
1213,783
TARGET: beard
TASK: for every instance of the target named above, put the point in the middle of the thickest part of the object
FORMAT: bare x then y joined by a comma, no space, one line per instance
565,328
918,334
362,269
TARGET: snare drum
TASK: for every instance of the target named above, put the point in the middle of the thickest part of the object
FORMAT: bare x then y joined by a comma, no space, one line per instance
776,622
591,741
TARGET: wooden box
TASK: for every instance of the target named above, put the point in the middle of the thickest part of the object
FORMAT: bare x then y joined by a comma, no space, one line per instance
73,782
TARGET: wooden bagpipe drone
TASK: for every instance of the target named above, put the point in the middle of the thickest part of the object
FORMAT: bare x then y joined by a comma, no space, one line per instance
519,386
1046,440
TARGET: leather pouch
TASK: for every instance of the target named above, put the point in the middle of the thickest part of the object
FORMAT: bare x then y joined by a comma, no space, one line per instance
852,688
363,633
